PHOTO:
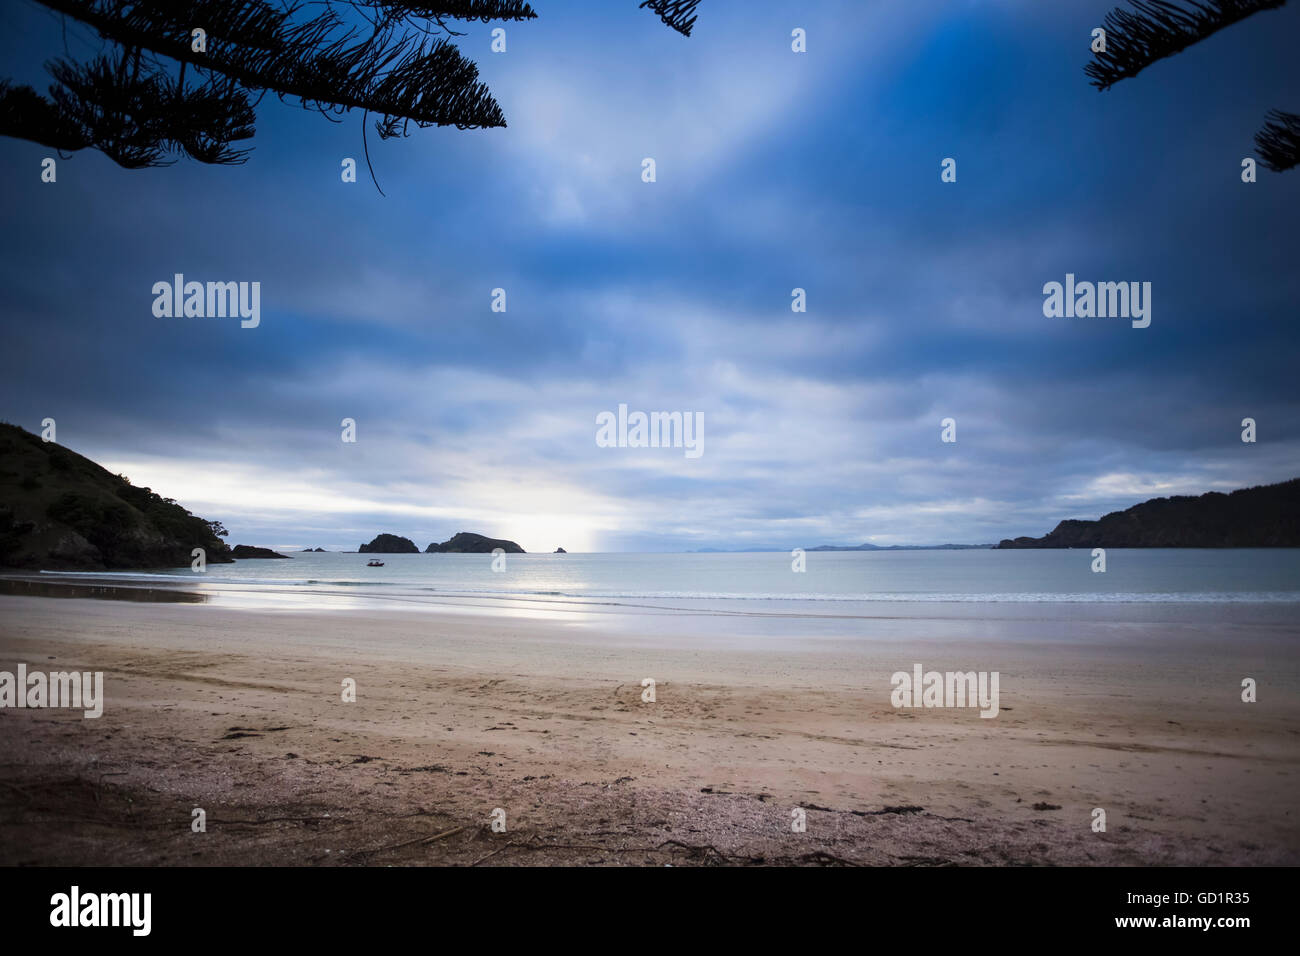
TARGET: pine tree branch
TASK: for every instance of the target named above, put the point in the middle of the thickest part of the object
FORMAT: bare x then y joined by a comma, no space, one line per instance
25,114
391,58
320,62
484,10
1278,143
678,14
137,121
1160,29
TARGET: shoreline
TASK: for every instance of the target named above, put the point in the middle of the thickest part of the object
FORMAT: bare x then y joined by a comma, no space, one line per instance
854,584
238,711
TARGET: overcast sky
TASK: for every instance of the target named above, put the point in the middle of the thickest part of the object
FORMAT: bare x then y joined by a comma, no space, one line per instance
775,170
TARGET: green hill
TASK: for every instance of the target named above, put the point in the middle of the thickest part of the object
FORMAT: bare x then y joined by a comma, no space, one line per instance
61,511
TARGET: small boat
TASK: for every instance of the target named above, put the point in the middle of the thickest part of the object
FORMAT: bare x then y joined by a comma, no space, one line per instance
375,564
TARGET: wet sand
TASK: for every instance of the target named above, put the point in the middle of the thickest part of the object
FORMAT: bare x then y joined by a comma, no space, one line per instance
239,712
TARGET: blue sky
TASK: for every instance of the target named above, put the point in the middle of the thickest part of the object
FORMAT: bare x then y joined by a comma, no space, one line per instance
775,170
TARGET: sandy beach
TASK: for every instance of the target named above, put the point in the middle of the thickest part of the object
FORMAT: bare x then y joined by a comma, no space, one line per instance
463,710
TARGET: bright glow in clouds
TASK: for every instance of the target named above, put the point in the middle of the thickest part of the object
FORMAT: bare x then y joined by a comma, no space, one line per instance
775,170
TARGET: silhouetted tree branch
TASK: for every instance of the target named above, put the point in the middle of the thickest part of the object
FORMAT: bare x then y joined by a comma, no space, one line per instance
678,14
152,96
1159,29
1278,143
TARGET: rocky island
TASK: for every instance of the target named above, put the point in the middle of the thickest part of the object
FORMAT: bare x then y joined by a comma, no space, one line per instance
466,542
240,551
389,544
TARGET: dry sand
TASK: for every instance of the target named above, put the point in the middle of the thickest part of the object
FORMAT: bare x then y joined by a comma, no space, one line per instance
240,713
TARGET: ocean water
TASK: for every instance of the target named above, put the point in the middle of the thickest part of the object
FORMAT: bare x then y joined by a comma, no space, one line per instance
1029,576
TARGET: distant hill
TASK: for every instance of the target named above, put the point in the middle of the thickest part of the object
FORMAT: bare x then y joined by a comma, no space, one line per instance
901,547
241,551
61,511
850,547
1267,516
389,544
739,551
468,543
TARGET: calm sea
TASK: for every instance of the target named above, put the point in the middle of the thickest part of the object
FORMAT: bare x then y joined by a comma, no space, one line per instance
1142,576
